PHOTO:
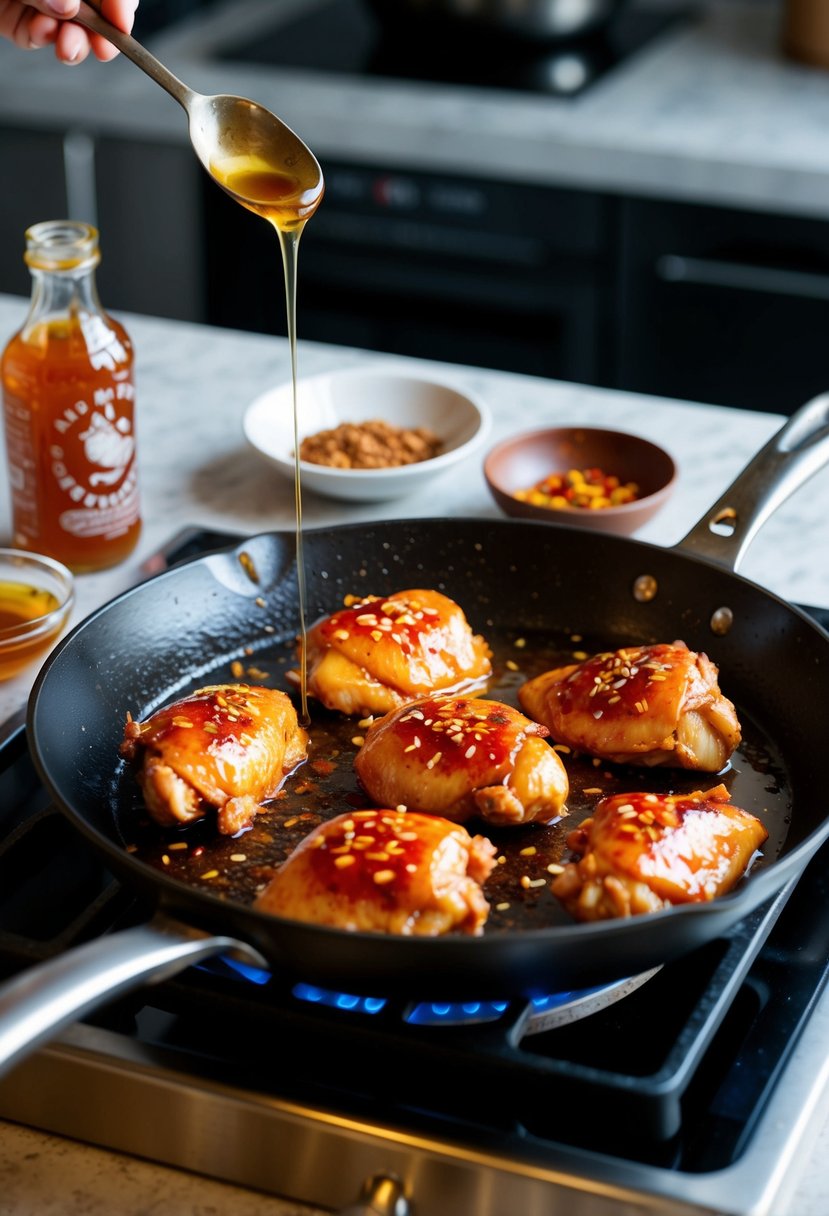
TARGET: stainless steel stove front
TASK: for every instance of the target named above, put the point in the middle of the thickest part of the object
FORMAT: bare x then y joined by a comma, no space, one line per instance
103,1088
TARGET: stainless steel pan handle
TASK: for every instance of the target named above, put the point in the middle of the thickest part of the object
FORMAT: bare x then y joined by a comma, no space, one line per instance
798,451
37,1004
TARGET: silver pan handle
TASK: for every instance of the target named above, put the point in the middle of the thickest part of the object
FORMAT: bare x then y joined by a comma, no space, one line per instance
37,1004
798,451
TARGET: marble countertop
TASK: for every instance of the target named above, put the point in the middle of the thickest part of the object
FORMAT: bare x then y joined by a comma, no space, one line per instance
709,111
193,386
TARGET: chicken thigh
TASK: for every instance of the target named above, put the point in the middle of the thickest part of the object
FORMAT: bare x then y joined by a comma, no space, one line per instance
643,852
458,757
648,705
376,654
385,871
228,747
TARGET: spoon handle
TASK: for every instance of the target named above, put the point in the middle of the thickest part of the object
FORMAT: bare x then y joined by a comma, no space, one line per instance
89,15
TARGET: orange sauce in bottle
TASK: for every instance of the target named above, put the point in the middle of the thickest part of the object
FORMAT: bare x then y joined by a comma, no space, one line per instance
68,399
286,199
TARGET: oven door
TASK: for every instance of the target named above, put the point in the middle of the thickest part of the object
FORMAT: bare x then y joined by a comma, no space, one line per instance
490,274
721,306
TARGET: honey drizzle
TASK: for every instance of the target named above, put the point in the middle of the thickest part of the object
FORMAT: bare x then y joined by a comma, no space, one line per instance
289,243
286,200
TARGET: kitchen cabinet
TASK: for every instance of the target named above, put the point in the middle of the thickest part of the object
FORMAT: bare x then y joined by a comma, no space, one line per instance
719,305
722,305
725,306
34,189
144,197
149,215
468,270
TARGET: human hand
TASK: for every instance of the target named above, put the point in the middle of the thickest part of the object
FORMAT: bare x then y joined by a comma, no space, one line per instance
32,24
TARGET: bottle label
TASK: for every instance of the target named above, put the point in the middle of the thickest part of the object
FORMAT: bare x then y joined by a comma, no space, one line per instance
92,461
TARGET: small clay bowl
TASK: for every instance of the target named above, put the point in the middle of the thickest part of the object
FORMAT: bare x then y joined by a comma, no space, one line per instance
36,597
524,460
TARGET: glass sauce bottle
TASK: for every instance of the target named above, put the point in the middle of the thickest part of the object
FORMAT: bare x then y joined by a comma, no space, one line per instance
68,405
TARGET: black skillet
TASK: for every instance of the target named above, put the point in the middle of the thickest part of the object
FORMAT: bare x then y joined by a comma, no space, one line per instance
185,628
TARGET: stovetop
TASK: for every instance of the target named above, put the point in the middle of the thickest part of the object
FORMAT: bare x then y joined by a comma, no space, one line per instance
686,1084
343,37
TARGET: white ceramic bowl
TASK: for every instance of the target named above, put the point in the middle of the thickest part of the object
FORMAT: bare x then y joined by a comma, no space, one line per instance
360,394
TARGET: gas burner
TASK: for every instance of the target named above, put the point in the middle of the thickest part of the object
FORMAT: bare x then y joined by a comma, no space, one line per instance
542,1012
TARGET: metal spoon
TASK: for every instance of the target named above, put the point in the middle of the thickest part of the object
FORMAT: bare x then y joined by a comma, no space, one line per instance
250,152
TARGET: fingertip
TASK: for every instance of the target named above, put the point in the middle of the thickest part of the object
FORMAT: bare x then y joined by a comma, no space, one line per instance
101,49
121,13
71,44
42,30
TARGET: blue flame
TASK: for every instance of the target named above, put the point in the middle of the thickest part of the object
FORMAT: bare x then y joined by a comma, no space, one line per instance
338,1000
426,1013
446,1013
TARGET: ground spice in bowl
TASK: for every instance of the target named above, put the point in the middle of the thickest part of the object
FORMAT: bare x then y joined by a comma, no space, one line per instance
374,444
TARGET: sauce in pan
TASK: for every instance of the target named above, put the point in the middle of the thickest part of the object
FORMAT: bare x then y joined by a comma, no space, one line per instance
238,868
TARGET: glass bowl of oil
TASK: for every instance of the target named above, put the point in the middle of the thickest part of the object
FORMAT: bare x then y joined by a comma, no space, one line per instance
36,598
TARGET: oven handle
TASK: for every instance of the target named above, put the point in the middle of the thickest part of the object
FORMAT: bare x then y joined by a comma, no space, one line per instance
737,276
36,1005
381,1195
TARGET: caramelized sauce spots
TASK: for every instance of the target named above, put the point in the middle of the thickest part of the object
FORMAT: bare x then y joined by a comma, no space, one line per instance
373,851
620,684
450,733
404,621
684,841
219,718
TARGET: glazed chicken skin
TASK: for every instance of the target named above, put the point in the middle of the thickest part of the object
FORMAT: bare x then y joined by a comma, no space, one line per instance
463,756
385,871
643,852
647,705
376,654
227,746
